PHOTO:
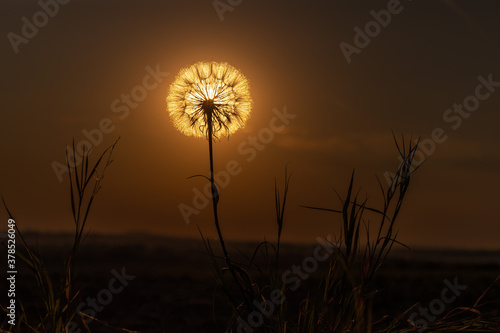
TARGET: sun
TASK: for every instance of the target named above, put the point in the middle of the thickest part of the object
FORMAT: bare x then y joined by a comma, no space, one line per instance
209,93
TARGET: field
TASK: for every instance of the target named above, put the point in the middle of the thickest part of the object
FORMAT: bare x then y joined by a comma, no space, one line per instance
170,285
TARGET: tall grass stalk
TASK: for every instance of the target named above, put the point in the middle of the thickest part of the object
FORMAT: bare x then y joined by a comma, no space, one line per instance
344,302
56,301
347,287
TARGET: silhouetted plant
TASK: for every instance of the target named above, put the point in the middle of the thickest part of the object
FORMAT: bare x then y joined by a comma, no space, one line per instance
57,298
210,100
345,298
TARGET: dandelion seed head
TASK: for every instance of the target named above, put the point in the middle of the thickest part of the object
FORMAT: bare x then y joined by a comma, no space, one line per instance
209,90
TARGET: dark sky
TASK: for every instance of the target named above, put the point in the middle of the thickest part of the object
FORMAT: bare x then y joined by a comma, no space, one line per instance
74,69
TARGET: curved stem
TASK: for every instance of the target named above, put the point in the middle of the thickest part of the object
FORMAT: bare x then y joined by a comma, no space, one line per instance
215,195
215,199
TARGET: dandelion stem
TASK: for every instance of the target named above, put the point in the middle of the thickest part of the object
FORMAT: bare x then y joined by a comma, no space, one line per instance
215,199
215,194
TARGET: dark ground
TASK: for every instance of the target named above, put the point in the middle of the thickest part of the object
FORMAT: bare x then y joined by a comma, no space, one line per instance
174,290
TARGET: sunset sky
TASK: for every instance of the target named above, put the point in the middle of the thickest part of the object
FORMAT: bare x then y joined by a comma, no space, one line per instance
330,92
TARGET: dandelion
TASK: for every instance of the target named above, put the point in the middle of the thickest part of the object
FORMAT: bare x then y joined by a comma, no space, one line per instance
210,100
209,97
